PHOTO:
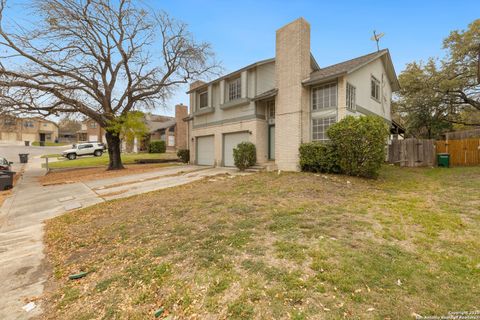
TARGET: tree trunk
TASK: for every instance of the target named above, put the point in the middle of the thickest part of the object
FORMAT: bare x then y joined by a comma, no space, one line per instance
115,160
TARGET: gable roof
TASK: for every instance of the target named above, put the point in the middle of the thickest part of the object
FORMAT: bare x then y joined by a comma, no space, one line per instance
352,65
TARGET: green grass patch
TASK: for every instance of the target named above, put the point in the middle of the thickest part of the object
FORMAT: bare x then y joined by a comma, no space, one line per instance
90,161
50,144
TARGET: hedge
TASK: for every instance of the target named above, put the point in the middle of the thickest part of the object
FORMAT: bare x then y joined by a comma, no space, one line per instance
360,143
319,157
356,148
157,146
184,155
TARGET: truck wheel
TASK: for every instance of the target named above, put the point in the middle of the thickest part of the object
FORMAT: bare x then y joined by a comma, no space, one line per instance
98,153
72,156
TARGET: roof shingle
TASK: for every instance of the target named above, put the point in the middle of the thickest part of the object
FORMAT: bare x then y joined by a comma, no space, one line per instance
342,67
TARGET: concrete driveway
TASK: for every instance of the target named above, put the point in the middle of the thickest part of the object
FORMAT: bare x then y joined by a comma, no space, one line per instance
23,272
11,152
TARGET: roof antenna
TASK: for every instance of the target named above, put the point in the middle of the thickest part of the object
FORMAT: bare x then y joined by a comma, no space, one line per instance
376,37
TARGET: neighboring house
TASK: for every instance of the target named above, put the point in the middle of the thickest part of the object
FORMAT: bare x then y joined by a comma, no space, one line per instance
18,130
91,132
279,103
172,130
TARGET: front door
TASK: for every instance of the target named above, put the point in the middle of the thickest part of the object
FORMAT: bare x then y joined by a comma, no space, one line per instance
42,137
271,142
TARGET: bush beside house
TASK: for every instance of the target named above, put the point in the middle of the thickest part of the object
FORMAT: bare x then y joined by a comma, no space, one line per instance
183,155
319,157
244,155
356,148
157,146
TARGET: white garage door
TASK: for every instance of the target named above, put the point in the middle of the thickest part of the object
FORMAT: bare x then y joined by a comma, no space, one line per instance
9,136
92,138
230,141
29,137
205,151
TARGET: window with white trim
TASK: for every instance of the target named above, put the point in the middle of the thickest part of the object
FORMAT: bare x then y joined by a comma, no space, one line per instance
324,97
351,97
203,99
234,89
320,126
375,88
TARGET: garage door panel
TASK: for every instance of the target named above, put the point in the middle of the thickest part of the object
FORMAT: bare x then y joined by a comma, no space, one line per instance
205,151
230,141
9,136
29,137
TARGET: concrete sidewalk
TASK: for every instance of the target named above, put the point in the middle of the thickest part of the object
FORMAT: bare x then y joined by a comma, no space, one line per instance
21,223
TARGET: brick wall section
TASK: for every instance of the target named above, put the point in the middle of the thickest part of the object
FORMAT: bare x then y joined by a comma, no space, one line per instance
181,126
292,65
342,98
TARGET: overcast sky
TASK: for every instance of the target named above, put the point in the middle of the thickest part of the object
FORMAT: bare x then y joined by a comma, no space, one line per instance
242,32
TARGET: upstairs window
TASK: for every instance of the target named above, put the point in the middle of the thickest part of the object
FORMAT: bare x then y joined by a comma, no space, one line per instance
271,109
320,126
324,97
9,122
234,89
203,97
28,124
351,97
375,89
93,125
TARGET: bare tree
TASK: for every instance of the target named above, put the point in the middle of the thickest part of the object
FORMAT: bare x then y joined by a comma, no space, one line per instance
100,58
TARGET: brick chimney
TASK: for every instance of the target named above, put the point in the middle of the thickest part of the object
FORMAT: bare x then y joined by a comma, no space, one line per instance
292,66
181,127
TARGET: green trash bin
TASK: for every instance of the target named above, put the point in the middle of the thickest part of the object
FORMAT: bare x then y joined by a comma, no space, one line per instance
443,160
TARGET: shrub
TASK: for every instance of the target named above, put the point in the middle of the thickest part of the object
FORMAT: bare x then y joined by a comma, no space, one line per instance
360,144
244,155
319,157
157,146
184,155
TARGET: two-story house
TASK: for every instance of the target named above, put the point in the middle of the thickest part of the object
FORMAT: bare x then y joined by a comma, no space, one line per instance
282,102
20,130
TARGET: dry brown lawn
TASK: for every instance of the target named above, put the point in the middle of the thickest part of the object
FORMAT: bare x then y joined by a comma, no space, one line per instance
269,246
89,174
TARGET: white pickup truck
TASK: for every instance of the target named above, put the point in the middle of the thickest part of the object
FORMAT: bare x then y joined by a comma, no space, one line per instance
85,149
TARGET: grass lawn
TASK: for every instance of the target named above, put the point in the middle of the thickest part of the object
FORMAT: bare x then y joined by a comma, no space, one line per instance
90,161
269,246
50,144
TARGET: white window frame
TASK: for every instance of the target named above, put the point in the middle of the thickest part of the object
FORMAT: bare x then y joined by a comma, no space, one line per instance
328,97
234,89
351,97
200,94
375,88
326,122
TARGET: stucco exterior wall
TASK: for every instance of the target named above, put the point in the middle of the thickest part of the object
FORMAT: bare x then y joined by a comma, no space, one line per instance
361,80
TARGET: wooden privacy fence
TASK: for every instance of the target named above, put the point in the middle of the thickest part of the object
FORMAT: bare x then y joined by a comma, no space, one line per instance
465,152
412,152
